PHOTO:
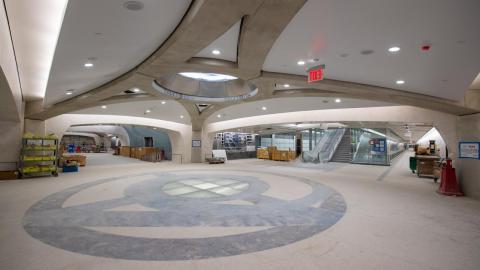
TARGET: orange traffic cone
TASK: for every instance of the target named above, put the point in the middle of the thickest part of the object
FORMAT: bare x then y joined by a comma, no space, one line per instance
449,185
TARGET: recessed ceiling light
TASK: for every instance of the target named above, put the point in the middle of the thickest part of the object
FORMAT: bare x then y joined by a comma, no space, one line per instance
286,85
88,65
366,52
181,116
163,102
68,92
147,111
264,108
400,82
394,49
216,52
337,100
219,115
136,90
104,106
301,63
133,5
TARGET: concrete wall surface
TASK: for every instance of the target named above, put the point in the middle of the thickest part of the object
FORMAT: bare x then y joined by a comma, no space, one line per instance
10,90
469,169
10,144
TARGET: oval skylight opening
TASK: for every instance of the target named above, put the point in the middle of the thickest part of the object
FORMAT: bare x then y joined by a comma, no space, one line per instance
210,77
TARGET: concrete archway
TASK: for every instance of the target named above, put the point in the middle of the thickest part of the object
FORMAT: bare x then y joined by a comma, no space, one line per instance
180,134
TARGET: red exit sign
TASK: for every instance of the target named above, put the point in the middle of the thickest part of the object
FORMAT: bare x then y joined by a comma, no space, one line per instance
315,74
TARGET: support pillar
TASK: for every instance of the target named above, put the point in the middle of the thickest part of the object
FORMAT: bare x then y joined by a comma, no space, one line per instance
37,127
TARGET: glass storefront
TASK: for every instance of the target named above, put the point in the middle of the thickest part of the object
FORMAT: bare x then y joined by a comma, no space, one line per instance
367,145
375,146
284,141
310,138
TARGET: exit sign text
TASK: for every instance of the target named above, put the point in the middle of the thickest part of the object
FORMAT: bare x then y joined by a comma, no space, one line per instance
315,74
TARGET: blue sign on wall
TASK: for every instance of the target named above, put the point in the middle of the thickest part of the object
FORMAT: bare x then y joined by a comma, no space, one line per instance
469,150
71,148
379,145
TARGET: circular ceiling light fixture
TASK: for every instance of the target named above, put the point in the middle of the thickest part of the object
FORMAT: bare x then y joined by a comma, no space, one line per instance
136,90
104,106
219,115
264,108
181,116
147,111
301,63
366,52
210,77
88,65
133,5
394,49
286,85
400,82
163,102
337,100
69,92
216,52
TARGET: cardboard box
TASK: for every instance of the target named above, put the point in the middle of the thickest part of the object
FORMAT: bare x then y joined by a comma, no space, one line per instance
8,175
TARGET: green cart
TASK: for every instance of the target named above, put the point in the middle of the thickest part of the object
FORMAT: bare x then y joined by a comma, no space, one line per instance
413,164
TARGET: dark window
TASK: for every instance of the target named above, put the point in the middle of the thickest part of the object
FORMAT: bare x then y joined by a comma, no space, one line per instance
148,141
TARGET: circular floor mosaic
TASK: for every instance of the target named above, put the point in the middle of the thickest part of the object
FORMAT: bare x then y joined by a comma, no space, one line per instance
184,200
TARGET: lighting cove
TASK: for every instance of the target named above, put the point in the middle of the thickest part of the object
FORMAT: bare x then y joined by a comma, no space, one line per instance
210,77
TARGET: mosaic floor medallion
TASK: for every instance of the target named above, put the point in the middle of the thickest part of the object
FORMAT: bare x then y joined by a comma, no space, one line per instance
133,226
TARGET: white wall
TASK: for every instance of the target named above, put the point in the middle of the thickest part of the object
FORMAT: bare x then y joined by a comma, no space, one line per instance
11,102
9,67
10,144
433,134
469,169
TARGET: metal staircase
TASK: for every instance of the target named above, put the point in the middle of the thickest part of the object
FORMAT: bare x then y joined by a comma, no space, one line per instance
343,152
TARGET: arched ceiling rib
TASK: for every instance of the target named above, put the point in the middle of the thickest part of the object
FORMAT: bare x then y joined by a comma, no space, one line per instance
266,20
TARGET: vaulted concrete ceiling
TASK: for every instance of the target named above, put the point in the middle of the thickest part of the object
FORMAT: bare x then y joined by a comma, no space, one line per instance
273,36
111,37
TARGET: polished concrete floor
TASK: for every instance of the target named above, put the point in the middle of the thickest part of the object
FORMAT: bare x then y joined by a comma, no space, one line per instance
119,213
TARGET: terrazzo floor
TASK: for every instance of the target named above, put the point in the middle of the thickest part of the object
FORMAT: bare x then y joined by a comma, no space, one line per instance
119,213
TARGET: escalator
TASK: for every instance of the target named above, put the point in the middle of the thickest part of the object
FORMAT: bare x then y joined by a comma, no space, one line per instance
325,147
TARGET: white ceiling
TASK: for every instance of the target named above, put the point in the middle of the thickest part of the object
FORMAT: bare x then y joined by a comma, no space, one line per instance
119,38
170,111
325,29
35,26
476,82
281,105
226,44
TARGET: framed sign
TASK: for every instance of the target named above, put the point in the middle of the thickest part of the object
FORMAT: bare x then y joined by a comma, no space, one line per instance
378,145
469,150
196,143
